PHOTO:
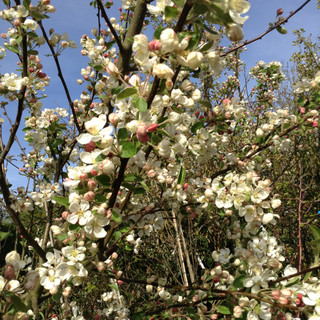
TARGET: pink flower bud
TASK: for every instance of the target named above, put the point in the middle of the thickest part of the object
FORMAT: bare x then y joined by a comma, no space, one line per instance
16,22
302,110
89,196
114,119
101,265
153,127
275,294
94,172
65,215
66,291
286,292
141,133
83,177
90,146
91,184
283,300
120,282
279,12
154,45
315,124
142,129
9,272
53,290
114,256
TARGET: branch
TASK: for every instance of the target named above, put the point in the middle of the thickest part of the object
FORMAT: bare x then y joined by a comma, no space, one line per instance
135,27
278,24
108,22
65,87
294,275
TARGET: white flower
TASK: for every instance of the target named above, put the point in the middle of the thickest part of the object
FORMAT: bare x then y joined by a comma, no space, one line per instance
31,24
50,280
169,40
194,59
74,254
162,71
80,212
13,258
96,130
140,47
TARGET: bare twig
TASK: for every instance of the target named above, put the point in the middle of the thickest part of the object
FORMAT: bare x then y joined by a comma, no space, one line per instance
60,75
278,24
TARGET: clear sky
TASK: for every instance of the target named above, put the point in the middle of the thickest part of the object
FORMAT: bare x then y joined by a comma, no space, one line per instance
76,18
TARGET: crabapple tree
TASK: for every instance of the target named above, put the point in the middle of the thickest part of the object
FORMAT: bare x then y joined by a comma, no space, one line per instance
155,192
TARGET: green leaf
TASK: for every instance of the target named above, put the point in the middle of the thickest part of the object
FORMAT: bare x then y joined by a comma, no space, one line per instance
128,186
63,201
100,198
128,150
38,16
176,109
182,175
122,135
142,105
116,217
238,281
113,286
224,310
132,178
179,3
191,312
207,46
126,93
139,316
315,232
197,126
117,235
62,236
158,31
171,12
56,297
26,3
103,179
12,48
205,103
282,30
139,191
17,302
4,235
100,157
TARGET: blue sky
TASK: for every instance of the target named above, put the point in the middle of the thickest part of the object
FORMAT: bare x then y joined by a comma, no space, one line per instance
76,18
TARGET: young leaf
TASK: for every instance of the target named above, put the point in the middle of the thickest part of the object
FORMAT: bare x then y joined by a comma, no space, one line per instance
12,48
171,12
63,201
224,310
126,93
104,180
129,150
116,217
132,178
238,281
142,105
182,175
4,235
197,126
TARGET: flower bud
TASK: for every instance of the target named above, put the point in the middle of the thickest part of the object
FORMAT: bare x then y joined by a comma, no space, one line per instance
90,146
89,196
235,32
154,45
152,127
114,119
9,272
